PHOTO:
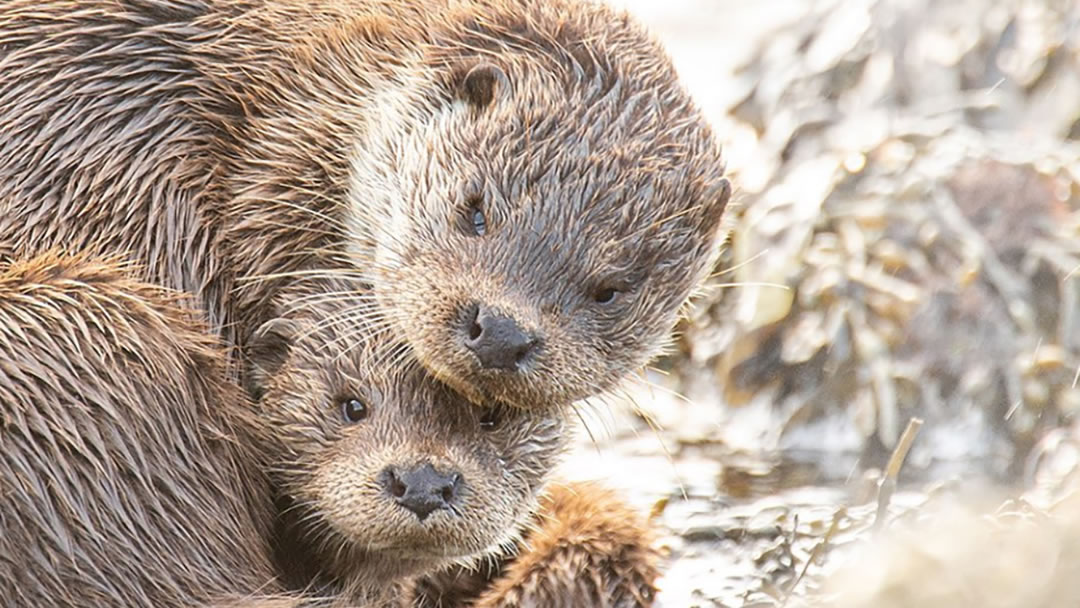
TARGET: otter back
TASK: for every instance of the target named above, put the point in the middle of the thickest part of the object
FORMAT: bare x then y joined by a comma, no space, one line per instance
122,479
103,149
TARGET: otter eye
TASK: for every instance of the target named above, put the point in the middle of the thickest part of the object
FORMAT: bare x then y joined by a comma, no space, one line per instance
479,222
353,410
605,295
490,418
474,222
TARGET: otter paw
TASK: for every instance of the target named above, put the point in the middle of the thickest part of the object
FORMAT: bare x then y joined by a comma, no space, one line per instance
586,548
452,588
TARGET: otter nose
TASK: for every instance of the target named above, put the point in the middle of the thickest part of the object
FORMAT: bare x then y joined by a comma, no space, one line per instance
421,490
496,340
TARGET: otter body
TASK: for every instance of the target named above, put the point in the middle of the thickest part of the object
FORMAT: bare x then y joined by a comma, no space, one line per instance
523,184
123,478
588,549
103,150
584,547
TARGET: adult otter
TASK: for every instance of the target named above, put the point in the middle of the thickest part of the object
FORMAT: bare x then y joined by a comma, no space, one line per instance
122,478
524,183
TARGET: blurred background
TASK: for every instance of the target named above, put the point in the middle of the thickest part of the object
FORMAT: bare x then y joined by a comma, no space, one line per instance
906,243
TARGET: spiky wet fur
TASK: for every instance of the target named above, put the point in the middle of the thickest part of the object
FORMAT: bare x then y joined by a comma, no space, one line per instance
233,145
585,548
123,471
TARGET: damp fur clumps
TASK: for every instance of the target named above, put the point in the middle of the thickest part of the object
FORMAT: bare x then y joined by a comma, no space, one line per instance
124,471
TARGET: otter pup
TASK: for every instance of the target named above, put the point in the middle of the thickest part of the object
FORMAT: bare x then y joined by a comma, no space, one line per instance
134,473
524,184
379,472
345,427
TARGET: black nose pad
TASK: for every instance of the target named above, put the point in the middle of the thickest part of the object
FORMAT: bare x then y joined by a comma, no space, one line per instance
421,490
496,339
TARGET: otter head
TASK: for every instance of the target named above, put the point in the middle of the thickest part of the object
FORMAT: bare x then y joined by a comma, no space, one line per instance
380,471
536,229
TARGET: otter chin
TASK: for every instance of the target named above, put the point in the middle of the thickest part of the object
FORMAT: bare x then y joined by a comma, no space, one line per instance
408,500
378,470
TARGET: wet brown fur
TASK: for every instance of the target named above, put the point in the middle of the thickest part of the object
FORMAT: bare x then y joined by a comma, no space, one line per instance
233,145
250,143
122,471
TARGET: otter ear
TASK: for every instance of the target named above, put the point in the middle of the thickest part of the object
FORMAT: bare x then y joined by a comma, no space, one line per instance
483,84
716,203
266,353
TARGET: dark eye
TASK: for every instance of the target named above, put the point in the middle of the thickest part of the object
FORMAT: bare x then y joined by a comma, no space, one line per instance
490,418
605,295
474,222
354,410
